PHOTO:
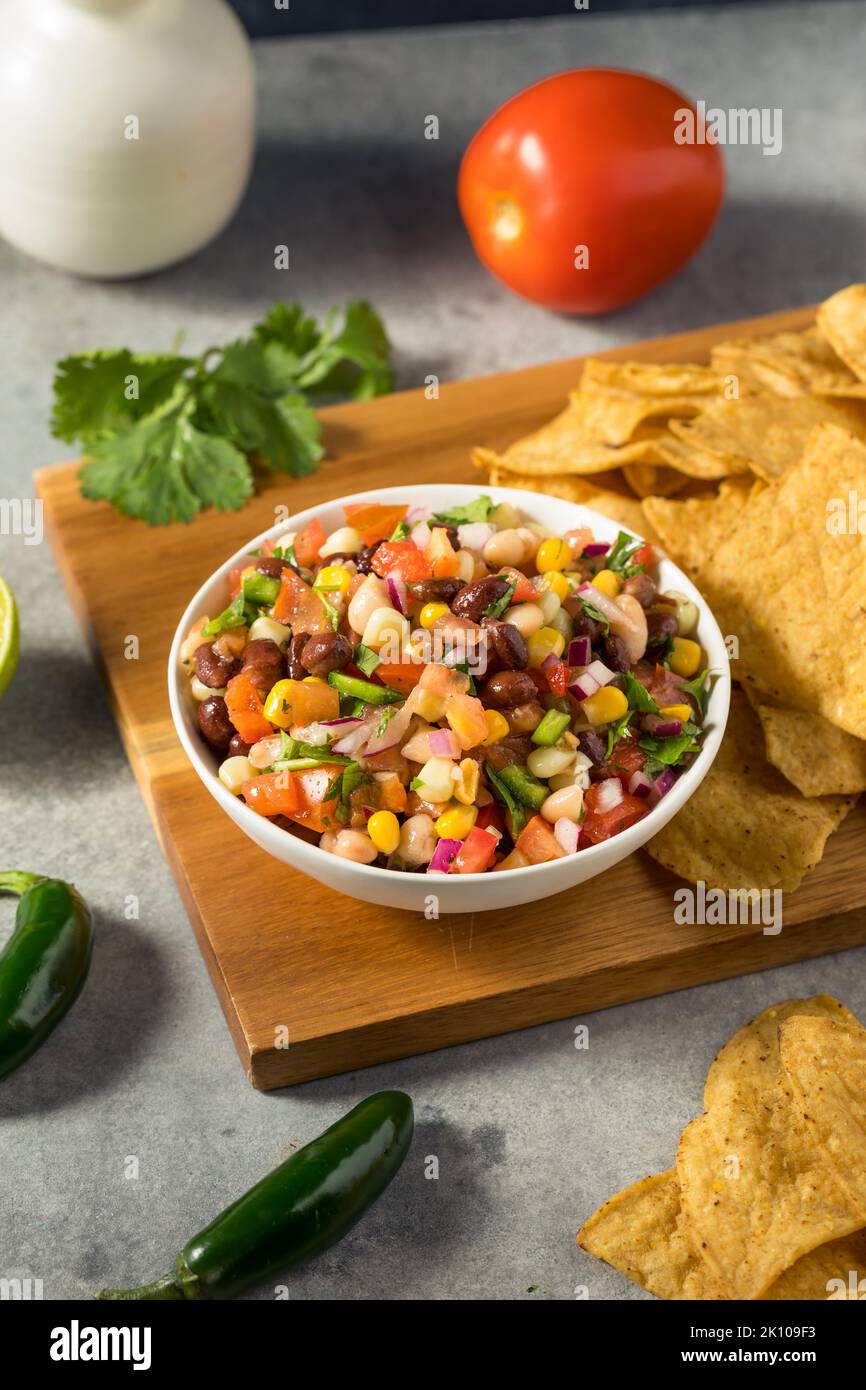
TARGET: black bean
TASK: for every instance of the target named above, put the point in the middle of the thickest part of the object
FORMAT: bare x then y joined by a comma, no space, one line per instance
213,670
264,663
614,654
436,590
325,652
660,626
364,558
641,587
508,689
273,566
214,722
472,600
294,665
239,748
594,747
583,624
506,645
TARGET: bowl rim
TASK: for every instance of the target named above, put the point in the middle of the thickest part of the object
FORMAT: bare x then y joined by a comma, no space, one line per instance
634,837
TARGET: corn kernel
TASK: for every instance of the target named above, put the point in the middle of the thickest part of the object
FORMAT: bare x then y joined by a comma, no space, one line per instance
556,581
234,772
456,822
497,727
313,680
553,554
686,656
430,612
334,579
605,705
278,705
608,582
383,828
676,712
466,781
543,642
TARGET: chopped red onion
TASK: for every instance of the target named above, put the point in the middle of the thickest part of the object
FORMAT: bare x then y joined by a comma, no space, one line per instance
660,727
566,834
664,782
397,593
416,514
583,686
393,733
580,651
610,794
443,856
351,742
549,665
345,720
443,743
474,535
421,535
610,611
596,548
639,784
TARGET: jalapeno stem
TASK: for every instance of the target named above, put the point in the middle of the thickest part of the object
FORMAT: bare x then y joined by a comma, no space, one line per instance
162,1289
12,881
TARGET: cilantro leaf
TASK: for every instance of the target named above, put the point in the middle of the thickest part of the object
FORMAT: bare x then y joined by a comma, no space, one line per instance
670,751
695,688
619,557
98,394
479,510
347,359
617,731
366,659
499,605
594,613
637,694
233,616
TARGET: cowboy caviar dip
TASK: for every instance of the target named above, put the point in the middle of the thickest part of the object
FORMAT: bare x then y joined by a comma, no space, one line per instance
449,692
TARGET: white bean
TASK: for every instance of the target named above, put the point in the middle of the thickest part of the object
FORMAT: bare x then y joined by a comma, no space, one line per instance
355,845
346,540
417,840
372,594
383,625
504,548
200,691
687,612
567,801
505,517
234,772
268,627
526,617
631,627
549,762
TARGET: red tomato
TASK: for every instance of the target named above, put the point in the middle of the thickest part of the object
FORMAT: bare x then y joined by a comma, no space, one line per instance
538,842
476,853
491,818
272,794
245,705
403,557
626,759
600,825
399,675
577,195
308,542
555,672
374,521
300,606
645,556
524,589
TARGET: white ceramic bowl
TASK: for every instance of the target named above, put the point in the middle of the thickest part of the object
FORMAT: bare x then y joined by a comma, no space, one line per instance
455,892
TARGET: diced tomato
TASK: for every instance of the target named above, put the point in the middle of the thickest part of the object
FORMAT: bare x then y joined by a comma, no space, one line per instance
491,818
601,825
441,554
625,760
476,853
244,705
374,521
578,539
404,558
389,794
645,555
298,605
235,580
443,680
272,794
525,591
399,675
314,807
308,543
664,686
314,700
555,673
465,714
538,842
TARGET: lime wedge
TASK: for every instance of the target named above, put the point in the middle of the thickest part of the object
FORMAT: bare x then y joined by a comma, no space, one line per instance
8,635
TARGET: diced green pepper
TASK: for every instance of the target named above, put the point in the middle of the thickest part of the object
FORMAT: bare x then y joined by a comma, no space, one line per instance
261,588
526,788
551,728
363,690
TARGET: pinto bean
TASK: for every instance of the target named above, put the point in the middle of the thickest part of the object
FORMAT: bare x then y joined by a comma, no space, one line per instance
475,598
524,718
213,670
264,663
642,587
508,689
324,652
214,722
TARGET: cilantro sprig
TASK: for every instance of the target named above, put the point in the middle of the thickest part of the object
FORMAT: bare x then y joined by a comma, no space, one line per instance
619,557
165,435
479,510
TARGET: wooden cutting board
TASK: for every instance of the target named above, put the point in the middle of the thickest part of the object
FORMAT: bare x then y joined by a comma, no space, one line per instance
351,984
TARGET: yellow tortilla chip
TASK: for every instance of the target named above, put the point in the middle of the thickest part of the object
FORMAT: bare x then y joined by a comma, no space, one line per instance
565,445
585,493
818,758
641,1233
793,590
638,379
784,364
690,530
842,321
652,480
765,435
825,1059
615,420
756,1188
746,827
697,463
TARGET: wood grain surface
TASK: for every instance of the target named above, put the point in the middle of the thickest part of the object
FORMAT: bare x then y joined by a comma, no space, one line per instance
352,984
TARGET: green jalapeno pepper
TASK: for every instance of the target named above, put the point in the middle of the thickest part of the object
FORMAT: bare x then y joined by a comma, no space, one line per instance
307,1204
43,965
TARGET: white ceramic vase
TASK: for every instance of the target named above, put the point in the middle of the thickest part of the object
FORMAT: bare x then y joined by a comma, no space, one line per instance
126,129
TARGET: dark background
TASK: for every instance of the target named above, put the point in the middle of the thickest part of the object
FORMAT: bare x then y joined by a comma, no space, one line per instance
318,16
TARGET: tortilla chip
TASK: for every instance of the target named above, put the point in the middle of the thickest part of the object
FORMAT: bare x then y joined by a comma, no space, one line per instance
697,463
638,379
785,364
691,530
825,1059
756,1188
842,321
565,445
746,826
763,434
650,480
816,757
584,492
641,1233
794,592
615,420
